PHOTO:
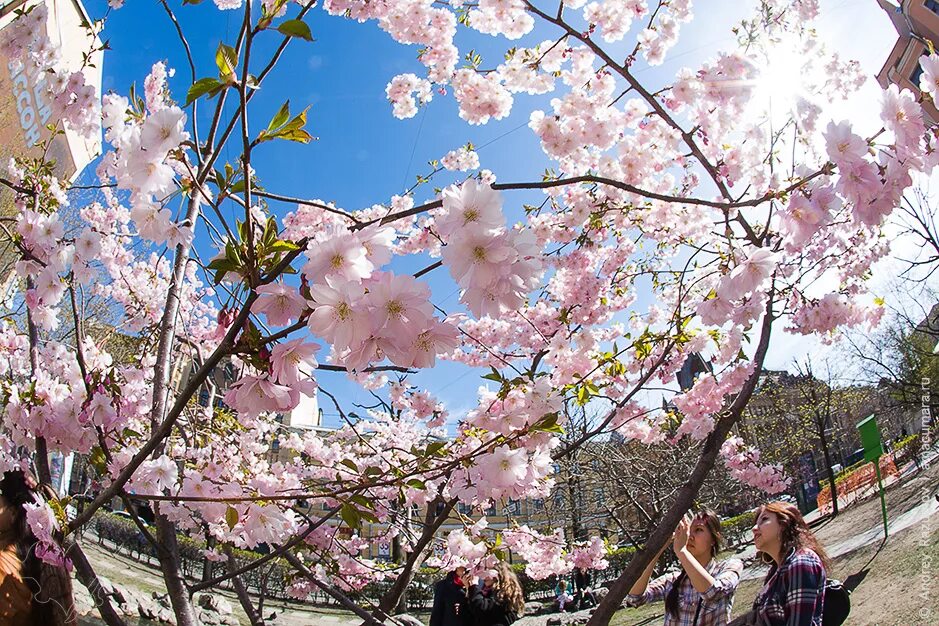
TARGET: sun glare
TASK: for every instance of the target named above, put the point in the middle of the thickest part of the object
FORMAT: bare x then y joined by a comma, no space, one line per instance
782,80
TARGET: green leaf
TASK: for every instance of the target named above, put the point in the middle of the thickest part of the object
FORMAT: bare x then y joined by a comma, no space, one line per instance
295,28
201,87
283,246
98,461
350,464
416,484
226,58
231,517
362,501
291,131
350,515
435,448
281,118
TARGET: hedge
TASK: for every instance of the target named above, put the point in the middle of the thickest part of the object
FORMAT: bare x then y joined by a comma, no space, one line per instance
274,577
277,574
908,448
737,529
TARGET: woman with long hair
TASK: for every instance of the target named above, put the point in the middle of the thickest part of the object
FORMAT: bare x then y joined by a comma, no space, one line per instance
32,592
702,592
504,606
793,592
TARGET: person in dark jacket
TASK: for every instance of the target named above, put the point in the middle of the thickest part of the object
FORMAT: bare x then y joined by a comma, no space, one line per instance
450,605
583,595
504,606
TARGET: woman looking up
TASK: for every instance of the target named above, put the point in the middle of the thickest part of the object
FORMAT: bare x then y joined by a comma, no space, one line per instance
793,592
702,592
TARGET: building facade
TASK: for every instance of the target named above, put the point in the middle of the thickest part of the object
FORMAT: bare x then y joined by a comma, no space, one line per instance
25,111
916,23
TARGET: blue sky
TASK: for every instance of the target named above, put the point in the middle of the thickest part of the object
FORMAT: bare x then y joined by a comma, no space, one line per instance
364,155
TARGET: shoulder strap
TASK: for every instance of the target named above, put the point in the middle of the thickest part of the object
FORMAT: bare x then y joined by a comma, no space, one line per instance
697,612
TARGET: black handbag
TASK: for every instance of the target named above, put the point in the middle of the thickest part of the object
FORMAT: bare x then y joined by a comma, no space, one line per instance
837,603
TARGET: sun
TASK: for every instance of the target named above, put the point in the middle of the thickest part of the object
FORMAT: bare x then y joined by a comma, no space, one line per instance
784,77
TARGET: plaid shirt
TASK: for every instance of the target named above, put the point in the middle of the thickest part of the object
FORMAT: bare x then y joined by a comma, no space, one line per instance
716,602
793,594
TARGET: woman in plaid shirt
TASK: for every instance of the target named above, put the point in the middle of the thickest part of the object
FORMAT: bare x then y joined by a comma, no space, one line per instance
793,592
702,593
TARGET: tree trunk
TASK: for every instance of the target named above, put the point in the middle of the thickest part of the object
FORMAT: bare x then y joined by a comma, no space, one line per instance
831,474
207,565
87,577
687,493
331,591
573,493
241,591
169,565
393,598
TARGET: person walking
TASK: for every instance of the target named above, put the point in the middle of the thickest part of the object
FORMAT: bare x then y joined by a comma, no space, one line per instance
450,604
32,592
793,592
702,592
503,606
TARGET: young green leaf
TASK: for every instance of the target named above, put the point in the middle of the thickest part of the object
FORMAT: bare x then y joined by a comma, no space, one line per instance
201,87
226,58
295,28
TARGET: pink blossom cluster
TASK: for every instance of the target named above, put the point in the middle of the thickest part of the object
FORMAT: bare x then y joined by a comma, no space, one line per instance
401,92
519,408
545,554
495,267
549,554
929,80
531,70
462,159
367,315
742,461
501,17
830,312
698,405
421,404
145,160
42,523
410,22
481,97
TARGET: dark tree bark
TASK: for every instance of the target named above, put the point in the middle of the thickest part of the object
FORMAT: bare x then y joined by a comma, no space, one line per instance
687,493
169,565
391,601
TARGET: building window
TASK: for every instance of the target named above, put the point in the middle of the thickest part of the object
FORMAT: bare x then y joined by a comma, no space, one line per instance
464,509
932,5
514,507
491,511
538,504
914,77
